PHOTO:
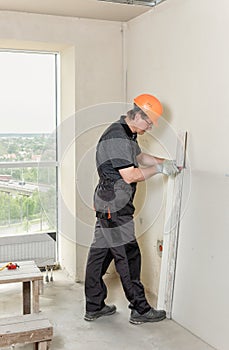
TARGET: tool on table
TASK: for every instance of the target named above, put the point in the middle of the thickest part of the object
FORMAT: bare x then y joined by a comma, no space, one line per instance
9,266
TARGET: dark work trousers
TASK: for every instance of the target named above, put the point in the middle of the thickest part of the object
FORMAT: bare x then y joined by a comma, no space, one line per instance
112,241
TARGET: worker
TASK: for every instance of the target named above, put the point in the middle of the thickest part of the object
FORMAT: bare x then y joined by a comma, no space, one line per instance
118,157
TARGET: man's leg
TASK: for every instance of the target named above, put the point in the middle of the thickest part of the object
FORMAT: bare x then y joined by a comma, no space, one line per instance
119,235
95,289
134,262
99,259
131,283
127,259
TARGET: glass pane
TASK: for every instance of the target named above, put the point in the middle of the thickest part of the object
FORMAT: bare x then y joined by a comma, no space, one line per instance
27,200
27,134
27,93
27,147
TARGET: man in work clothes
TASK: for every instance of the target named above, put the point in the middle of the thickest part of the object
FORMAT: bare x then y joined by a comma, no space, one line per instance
118,156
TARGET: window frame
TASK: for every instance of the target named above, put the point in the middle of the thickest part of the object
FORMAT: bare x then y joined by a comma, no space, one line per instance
50,164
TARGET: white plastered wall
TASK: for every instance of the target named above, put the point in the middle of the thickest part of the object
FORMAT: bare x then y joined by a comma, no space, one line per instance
179,51
91,73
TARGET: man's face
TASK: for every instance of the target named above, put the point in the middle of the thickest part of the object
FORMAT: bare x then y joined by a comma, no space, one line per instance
142,124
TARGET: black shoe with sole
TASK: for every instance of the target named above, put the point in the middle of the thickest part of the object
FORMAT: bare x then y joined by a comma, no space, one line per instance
107,310
150,316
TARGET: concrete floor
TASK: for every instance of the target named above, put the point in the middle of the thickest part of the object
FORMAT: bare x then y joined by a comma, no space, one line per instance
63,303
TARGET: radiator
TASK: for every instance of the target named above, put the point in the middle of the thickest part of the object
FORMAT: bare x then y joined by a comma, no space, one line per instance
38,247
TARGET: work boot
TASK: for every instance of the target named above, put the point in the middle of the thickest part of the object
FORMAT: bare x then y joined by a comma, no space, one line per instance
150,316
105,311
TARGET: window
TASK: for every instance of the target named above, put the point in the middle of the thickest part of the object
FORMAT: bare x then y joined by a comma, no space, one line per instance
28,151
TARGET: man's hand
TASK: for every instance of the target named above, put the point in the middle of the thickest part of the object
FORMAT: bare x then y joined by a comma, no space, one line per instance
168,167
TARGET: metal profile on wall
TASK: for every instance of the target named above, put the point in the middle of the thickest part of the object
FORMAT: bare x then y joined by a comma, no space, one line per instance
172,230
136,2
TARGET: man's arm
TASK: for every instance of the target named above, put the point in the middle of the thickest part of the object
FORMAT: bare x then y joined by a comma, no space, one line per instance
132,174
153,165
148,160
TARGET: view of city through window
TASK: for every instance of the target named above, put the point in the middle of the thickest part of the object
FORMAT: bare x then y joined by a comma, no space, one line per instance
27,143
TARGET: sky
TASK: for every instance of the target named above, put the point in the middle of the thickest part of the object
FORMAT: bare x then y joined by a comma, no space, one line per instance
27,92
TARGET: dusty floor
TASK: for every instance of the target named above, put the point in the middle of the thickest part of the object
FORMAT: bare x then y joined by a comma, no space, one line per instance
63,303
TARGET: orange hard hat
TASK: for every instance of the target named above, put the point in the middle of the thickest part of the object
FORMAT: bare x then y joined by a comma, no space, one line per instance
150,105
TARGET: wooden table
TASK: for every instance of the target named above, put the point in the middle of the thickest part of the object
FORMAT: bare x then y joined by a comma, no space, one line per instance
32,282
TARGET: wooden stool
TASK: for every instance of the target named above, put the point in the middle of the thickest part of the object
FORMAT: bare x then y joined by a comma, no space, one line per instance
31,328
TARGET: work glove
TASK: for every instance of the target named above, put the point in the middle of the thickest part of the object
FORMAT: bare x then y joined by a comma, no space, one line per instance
168,167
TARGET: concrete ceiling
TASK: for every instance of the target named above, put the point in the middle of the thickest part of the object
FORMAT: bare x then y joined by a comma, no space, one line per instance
76,8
